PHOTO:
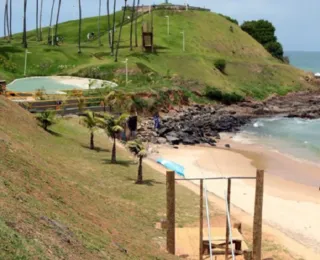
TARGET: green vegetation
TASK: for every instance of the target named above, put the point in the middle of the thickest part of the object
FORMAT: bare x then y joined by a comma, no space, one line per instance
235,21
138,149
46,118
251,69
215,94
264,32
220,64
92,122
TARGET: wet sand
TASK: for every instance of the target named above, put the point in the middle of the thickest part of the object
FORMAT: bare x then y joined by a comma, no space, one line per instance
291,207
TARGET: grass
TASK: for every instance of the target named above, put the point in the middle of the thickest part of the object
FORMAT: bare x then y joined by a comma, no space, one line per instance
250,69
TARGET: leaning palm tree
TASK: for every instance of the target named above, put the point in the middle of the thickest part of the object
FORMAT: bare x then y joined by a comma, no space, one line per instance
113,127
57,22
80,23
120,30
108,14
138,149
46,118
93,123
132,18
24,39
50,26
113,26
40,22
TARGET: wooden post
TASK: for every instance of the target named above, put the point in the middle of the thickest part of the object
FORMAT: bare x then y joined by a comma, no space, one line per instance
201,221
227,229
257,219
170,212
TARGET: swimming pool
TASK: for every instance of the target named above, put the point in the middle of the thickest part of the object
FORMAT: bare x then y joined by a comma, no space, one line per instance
54,85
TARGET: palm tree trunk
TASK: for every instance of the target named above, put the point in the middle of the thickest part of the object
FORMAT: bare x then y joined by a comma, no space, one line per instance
91,141
80,23
108,14
10,22
120,30
132,19
113,156
49,29
24,40
41,8
57,22
136,25
99,36
37,19
140,176
5,20
113,26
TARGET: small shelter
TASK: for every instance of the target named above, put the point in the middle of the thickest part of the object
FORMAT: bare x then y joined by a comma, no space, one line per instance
147,33
3,87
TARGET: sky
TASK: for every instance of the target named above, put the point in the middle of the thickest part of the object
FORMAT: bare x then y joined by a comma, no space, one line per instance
296,21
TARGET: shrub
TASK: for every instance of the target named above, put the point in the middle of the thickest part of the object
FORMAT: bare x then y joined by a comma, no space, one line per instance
275,49
139,103
230,19
213,93
8,65
286,59
220,64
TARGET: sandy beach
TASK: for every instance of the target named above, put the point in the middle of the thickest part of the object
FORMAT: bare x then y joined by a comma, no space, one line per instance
82,83
291,207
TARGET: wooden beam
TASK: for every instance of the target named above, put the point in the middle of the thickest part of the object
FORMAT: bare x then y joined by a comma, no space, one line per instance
201,221
170,212
227,229
257,221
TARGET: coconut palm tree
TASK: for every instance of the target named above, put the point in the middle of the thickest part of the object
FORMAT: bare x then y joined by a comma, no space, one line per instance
40,32
132,18
136,25
120,30
24,39
138,149
46,118
113,127
37,19
10,22
5,19
93,123
113,26
108,14
50,26
57,22
99,38
80,23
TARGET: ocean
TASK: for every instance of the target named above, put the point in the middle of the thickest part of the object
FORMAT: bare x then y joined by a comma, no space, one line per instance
309,61
299,138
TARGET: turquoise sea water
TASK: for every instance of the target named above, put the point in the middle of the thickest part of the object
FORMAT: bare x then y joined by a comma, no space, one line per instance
309,61
297,137
32,84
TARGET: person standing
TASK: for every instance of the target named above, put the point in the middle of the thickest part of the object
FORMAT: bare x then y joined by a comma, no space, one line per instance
133,124
156,120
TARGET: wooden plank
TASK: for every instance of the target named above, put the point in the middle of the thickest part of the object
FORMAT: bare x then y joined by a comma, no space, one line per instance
257,221
201,221
171,212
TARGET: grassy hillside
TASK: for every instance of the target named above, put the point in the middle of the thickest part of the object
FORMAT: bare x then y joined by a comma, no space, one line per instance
251,70
60,200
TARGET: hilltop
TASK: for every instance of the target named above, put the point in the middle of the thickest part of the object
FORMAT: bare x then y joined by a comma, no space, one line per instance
250,69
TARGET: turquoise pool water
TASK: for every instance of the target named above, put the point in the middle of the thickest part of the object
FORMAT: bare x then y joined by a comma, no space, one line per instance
33,84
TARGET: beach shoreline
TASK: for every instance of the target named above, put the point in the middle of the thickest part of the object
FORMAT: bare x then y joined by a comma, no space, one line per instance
291,207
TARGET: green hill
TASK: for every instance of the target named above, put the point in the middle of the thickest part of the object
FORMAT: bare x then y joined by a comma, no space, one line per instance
250,69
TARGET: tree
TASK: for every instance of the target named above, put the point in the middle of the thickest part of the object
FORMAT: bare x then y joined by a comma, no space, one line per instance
92,123
46,118
132,19
41,8
275,48
10,20
50,26
136,25
120,30
108,14
113,127
24,38
113,26
5,19
138,149
57,22
80,23
37,19
99,36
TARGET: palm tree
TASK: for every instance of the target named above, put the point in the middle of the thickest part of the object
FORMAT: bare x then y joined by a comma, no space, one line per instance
10,22
99,23
119,38
80,23
46,118
113,26
92,123
37,19
113,127
136,25
5,19
132,18
138,149
24,39
108,14
49,29
57,21
41,8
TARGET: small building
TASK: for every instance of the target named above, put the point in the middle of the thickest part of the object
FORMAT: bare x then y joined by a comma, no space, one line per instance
317,75
3,87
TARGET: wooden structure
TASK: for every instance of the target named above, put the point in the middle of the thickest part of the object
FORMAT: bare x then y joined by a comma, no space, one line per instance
220,241
147,33
3,87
